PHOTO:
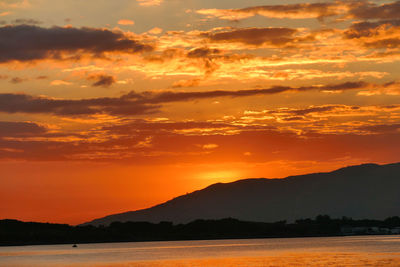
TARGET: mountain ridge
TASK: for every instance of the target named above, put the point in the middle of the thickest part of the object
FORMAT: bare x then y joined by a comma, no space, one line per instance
290,198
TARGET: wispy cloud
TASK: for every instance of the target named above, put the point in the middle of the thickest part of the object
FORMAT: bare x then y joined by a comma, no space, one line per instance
150,2
288,11
146,102
126,22
15,4
359,9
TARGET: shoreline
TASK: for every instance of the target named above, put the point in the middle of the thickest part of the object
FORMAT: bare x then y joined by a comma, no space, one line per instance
183,240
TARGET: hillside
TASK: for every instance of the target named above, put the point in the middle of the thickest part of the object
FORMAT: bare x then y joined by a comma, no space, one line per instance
365,191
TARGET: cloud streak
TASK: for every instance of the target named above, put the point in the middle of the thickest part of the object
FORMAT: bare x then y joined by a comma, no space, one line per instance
150,2
255,36
361,9
290,11
134,103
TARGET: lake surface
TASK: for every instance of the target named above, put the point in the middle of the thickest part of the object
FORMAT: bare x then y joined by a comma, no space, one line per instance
332,251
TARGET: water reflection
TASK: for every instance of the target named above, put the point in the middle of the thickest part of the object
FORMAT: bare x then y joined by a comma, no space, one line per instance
336,251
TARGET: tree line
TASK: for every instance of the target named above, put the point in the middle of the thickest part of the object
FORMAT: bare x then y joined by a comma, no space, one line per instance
13,232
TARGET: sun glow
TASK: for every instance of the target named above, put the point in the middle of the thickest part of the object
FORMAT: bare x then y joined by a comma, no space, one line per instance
220,176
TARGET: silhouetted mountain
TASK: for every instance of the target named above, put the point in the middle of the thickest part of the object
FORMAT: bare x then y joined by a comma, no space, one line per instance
365,191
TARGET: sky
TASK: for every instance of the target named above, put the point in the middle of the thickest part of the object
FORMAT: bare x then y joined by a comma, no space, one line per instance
113,106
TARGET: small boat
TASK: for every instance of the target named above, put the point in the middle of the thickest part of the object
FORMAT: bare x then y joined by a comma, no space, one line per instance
75,246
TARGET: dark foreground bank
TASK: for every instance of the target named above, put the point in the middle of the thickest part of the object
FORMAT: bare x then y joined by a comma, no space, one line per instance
13,232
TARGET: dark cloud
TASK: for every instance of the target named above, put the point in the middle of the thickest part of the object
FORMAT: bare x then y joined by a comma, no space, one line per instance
172,96
345,86
134,103
146,128
27,21
368,10
28,42
202,52
14,129
377,34
370,29
353,9
12,103
207,56
165,55
102,80
384,43
382,128
255,36
302,112
17,80
186,83
302,10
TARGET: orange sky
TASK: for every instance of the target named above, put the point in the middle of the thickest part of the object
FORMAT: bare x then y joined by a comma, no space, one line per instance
126,104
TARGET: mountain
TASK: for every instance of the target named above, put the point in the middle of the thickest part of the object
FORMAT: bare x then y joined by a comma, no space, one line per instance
365,191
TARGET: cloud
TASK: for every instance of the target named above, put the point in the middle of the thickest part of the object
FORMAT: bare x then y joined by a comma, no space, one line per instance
388,43
381,128
266,133
371,29
14,4
28,43
290,11
126,22
150,2
172,96
5,13
16,80
209,146
186,83
12,103
146,127
390,88
306,111
8,128
255,36
368,10
102,80
155,30
202,52
382,34
147,141
134,103
59,82
357,9
27,21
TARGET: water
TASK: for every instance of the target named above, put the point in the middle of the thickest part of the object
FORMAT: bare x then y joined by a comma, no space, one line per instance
332,251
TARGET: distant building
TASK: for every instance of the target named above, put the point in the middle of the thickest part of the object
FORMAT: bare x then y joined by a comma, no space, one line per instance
374,230
395,231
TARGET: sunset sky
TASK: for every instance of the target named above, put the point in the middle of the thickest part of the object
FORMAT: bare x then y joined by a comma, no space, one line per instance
110,106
